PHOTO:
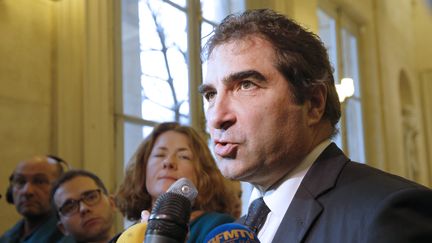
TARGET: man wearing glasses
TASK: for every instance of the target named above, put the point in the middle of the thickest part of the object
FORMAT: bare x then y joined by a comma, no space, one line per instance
29,190
85,210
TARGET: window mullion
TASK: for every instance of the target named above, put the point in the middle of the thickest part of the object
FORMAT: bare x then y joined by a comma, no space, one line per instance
340,70
194,18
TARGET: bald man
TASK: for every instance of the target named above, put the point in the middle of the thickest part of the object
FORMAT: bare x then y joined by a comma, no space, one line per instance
30,187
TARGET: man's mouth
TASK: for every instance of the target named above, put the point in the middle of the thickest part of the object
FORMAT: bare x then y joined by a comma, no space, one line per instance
90,222
27,203
226,150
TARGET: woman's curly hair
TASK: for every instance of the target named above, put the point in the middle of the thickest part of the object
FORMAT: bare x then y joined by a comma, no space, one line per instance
213,193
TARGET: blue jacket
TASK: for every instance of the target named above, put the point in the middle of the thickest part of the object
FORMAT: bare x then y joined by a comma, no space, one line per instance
45,233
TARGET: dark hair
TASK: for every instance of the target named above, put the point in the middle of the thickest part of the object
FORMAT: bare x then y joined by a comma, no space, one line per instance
132,196
301,57
61,165
71,174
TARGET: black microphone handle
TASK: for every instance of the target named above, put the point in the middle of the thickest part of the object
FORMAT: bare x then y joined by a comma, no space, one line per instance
158,239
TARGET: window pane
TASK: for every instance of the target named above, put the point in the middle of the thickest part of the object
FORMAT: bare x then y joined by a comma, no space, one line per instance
206,31
354,130
181,3
351,126
327,33
350,57
216,10
353,110
131,85
133,136
163,44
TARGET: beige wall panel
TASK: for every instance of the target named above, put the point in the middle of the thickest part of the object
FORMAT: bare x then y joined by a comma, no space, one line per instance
397,48
25,95
426,87
423,34
69,18
423,25
24,131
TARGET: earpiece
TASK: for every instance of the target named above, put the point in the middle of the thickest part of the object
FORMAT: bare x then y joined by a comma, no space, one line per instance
9,196
65,166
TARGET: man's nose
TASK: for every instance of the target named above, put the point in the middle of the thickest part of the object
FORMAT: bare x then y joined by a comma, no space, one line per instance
28,188
83,207
220,115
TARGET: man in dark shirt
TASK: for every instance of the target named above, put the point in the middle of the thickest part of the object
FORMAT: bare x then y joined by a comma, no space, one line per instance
86,211
29,191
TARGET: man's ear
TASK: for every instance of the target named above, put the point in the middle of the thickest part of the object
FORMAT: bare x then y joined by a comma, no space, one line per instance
112,201
61,227
316,104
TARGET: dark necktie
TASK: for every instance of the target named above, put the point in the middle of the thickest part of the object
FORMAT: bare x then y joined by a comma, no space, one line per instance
257,215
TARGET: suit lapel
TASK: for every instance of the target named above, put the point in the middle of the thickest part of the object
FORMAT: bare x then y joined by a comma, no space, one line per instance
299,217
305,208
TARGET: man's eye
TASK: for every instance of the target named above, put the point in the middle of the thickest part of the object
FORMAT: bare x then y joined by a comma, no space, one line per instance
68,205
91,196
40,181
19,181
247,84
209,95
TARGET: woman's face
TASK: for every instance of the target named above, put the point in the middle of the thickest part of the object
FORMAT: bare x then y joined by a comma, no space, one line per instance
170,159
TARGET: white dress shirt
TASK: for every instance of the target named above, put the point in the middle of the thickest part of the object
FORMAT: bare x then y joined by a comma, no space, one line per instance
278,199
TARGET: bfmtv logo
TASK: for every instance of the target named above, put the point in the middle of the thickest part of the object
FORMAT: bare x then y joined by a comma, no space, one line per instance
231,233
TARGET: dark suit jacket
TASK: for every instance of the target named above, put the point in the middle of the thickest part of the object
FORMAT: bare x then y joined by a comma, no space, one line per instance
348,202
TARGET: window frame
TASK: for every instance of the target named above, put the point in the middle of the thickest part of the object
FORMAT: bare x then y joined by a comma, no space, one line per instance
343,21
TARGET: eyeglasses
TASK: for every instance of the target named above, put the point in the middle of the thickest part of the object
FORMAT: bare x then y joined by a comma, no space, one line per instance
72,206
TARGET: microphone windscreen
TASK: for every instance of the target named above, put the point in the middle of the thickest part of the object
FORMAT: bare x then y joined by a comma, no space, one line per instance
133,234
184,187
170,214
232,233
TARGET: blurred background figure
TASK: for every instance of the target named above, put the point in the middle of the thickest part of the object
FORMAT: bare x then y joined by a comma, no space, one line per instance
29,190
86,211
237,191
170,152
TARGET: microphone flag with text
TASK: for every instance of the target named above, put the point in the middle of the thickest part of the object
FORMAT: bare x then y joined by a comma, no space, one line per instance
169,219
231,233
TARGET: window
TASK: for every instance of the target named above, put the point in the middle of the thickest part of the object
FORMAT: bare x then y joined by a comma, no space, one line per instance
339,35
161,68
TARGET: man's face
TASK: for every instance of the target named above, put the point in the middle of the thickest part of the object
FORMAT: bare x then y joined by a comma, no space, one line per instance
260,133
31,187
89,222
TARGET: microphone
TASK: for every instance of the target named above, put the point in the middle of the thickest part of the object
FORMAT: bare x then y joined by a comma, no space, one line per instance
169,218
231,233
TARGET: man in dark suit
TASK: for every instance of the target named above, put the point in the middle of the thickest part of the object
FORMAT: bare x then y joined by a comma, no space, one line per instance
271,109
